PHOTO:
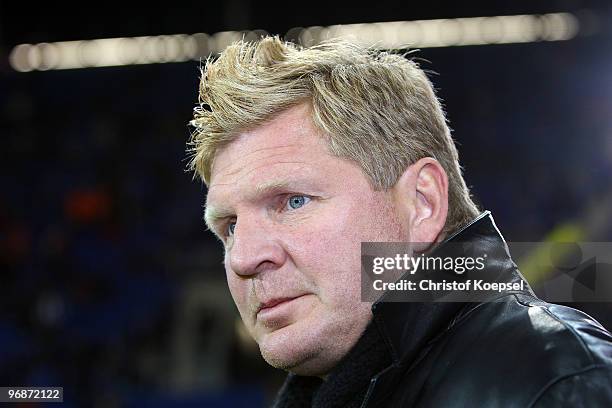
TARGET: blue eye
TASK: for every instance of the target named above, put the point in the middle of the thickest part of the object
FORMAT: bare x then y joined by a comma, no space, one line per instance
297,201
230,228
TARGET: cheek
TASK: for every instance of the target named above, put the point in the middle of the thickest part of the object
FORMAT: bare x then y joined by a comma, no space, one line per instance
328,251
323,235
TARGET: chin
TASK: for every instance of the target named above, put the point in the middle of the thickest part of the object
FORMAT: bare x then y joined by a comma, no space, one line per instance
297,352
304,364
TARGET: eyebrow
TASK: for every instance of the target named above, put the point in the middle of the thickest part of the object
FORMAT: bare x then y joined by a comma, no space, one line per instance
213,214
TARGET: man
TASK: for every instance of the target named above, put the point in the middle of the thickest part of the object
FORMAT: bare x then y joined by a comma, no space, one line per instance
307,153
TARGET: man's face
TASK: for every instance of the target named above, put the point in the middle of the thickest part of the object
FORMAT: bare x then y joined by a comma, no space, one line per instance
292,218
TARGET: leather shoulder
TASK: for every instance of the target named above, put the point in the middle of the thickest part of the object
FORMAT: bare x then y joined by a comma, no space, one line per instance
508,352
591,387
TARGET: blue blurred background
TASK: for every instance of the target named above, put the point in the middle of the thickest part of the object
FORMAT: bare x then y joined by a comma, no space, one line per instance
112,288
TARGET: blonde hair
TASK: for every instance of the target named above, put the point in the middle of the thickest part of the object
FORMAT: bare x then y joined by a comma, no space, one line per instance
377,109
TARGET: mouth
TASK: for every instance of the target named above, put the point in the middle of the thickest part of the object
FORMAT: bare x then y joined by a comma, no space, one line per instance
278,311
270,304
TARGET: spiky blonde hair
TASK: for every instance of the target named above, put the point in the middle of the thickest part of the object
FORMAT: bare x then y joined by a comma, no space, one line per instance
375,108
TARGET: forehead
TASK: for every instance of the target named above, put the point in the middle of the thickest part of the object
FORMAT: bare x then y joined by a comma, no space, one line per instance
287,147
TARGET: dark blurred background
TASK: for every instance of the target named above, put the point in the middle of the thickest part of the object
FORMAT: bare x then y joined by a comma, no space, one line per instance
112,288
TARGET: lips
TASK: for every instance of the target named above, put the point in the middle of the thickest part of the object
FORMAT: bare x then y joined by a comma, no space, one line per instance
273,302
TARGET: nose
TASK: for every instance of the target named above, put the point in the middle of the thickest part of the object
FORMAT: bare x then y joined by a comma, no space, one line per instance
255,248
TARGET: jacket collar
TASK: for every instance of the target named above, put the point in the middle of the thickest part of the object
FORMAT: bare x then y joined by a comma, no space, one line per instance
407,327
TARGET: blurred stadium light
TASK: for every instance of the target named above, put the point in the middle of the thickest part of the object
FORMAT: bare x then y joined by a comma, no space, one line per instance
390,35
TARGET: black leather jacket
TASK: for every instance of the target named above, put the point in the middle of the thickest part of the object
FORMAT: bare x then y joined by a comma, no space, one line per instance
515,351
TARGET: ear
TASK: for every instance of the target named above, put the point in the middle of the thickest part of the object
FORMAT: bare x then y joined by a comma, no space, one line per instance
421,196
